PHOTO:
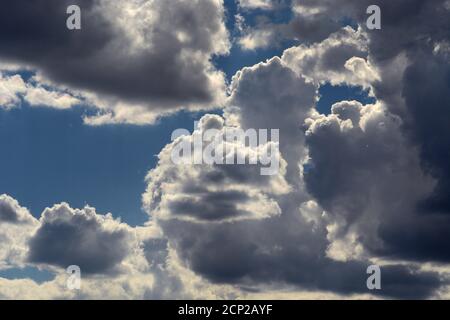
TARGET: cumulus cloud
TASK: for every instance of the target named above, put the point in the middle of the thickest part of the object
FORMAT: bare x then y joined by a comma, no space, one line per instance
412,87
97,243
363,172
405,64
340,59
79,237
149,53
12,212
116,261
275,97
16,227
296,247
224,192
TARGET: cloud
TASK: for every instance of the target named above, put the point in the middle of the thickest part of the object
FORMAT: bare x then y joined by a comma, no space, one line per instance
66,236
12,212
412,86
223,192
10,88
271,96
405,64
258,4
256,39
310,22
144,266
152,54
38,96
14,90
16,227
363,172
340,59
293,247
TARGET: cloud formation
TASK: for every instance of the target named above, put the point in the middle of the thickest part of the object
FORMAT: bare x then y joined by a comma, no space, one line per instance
67,237
156,55
16,227
365,184
300,245
226,192
406,66
116,260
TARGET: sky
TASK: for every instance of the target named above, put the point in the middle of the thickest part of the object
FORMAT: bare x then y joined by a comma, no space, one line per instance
86,178
105,166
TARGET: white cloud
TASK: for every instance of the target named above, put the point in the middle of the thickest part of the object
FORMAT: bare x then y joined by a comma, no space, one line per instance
171,193
257,4
10,89
16,227
256,39
340,59
39,96
13,89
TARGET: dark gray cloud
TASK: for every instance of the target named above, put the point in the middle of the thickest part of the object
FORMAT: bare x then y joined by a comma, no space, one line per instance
281,250
366,176
12,212
426,92
8,213
212,205
370,174
364,170
427,96
159,56
291,248
411,54
420,31
405,23
97,244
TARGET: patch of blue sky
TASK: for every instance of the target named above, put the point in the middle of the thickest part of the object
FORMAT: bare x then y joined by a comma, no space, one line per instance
49,156
39,276
239,58
25,74
330,94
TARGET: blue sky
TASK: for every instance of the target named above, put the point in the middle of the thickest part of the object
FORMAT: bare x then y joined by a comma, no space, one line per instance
53,157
